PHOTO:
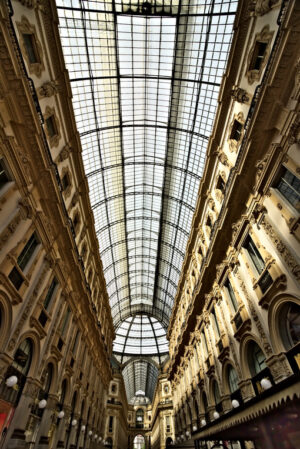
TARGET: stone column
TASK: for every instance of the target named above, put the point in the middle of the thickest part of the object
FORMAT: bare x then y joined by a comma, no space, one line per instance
47,420
16,438
59,440
80,442
73,433
279,367
247,390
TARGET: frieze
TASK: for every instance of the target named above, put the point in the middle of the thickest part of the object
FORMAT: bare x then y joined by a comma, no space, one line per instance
254,315
282,249
261,7
27,311
240,95
47,89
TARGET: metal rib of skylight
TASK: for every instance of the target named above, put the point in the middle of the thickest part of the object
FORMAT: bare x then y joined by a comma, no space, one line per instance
140,335
140,375
145,90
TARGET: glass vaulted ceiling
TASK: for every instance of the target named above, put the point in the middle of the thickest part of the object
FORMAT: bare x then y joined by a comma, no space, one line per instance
145,79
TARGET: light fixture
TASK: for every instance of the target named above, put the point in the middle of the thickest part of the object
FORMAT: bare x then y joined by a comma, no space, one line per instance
99,439
203,422
90,433
235,403
42,403
83,428
265,383
11,381
194,428
61,414
74,422
216,415
187,433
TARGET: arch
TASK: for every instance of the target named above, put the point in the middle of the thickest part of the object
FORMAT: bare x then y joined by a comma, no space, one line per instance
275,320
169,441
6,319
215,396
64,391
225,375
23,357
204,402
47,378
255,358
109,442
139,417
35,339
196,406
244,350
54,387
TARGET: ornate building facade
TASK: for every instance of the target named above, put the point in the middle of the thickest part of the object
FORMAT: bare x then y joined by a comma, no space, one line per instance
232,377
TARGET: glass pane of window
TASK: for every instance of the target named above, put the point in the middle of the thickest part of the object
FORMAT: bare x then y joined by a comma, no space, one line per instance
231,295
257,359
30,45
27,251
50,293
232,379
4,177
16,278
289,186
254,254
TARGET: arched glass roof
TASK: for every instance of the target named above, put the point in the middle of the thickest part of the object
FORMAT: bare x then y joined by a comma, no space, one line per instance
140,375
145,80
140,335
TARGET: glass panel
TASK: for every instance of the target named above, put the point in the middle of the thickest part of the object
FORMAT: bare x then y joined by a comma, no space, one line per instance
231,295
257,359
50,293
254,255
232,379
27,252
289,187
145,89
4,177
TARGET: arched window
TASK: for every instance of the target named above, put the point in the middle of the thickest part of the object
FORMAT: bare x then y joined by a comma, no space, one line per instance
205,406
63,392
19,368
139,442
140,418
232,379
23,357
216,393
290,324
47,378
256,359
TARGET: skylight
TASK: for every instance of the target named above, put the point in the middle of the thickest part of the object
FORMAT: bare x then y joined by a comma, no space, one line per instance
145,79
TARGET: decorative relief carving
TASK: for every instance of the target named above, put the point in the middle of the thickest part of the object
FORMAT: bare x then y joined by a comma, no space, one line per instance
31,3
10,229
47,89
25,28
265,37
236,132
65,153
52,131
260,166
282,249
240,95
261,7
27,310
254,315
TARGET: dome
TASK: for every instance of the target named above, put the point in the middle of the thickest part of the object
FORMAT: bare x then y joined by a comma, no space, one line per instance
140,335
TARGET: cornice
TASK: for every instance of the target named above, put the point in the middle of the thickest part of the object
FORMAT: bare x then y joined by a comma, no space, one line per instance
255,160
